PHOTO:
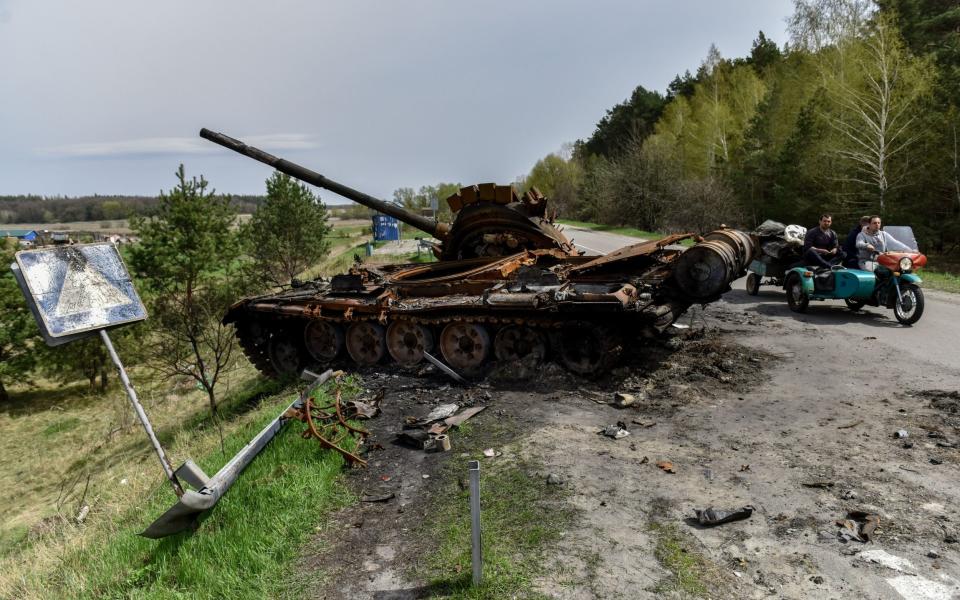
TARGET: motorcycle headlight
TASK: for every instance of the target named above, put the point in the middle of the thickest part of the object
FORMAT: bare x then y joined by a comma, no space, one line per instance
906,263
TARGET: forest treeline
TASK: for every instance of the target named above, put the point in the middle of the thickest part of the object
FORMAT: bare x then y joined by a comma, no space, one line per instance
857,114
61,209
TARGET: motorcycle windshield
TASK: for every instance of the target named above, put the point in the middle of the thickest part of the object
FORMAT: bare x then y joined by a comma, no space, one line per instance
903,234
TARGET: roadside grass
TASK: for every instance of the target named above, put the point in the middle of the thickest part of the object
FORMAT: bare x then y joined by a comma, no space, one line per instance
64,447
243,549
339,262
342,262
349,231
61,426
521,517
689,570
940,280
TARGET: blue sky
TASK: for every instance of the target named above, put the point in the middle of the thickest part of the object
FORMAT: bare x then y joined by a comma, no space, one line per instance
108,96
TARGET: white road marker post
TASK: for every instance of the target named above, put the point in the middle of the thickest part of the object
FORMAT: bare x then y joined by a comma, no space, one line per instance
474,468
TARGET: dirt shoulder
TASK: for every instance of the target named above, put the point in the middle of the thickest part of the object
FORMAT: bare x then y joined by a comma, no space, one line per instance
748,411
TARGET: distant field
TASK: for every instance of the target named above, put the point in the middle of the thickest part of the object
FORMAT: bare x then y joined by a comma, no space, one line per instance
122,226
114,226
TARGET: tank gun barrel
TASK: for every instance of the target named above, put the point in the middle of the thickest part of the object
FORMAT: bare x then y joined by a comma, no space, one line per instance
438,230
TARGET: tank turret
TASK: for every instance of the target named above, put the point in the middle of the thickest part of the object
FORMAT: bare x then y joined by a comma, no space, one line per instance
490,219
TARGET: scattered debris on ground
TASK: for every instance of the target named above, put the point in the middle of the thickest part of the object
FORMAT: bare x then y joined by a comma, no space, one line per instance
738,421
710,517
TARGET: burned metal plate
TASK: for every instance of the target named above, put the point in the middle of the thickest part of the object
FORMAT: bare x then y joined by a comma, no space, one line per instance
78,288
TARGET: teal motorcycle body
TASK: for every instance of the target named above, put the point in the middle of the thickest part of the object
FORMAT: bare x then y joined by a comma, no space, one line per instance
895,289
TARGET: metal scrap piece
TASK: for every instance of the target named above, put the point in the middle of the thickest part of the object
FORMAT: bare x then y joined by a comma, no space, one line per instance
436,362
709,517
329,426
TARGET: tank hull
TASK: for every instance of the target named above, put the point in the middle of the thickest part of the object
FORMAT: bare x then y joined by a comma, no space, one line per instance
529,306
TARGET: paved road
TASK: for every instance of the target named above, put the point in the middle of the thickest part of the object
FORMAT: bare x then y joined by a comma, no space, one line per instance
934,339
597,242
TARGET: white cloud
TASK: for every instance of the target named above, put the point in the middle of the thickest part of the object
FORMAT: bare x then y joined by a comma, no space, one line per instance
160,146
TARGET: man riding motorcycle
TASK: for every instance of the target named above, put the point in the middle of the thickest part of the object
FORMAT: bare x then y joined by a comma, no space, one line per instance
873,241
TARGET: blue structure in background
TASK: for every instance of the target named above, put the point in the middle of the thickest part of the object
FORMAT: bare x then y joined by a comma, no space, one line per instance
27,235
385,228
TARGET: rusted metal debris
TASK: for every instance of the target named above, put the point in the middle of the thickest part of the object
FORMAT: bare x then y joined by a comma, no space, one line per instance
185,514
711,517
329,426
430,432
859,526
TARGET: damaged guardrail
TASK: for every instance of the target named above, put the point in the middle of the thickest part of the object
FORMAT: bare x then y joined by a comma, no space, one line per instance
184,514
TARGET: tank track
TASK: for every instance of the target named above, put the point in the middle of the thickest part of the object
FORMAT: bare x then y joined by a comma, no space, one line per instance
610,343
253,348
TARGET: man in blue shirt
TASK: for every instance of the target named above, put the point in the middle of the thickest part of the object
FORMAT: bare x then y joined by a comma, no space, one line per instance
820,244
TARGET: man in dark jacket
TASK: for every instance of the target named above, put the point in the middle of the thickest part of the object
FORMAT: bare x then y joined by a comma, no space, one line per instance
820,244
850,244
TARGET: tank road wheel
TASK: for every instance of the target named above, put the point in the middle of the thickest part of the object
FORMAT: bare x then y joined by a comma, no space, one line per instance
285,354
323,339
407,341
365,342
753,284
517,342
587,348
465,346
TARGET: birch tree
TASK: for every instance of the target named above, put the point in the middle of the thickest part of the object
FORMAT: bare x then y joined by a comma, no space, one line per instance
876,105
817,24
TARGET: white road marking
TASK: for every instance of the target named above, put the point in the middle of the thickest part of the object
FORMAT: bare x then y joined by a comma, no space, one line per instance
588,249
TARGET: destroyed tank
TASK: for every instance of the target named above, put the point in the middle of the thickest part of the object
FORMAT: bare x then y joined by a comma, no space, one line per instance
509,286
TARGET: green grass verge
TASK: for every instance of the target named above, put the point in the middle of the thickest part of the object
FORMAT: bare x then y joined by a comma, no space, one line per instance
342,262
245,546
521,518
61,426
351,231
939,280
688,568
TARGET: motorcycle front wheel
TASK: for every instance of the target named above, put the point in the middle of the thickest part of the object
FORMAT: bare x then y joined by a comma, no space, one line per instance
909,306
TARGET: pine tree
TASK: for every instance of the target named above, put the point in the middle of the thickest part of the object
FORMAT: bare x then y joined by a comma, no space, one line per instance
288,232
188,263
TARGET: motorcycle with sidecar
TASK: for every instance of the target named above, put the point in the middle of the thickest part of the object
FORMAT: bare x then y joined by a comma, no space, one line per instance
893,284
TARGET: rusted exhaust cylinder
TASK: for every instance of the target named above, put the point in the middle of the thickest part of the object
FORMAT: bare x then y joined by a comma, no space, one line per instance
706,270
516,299
740,242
